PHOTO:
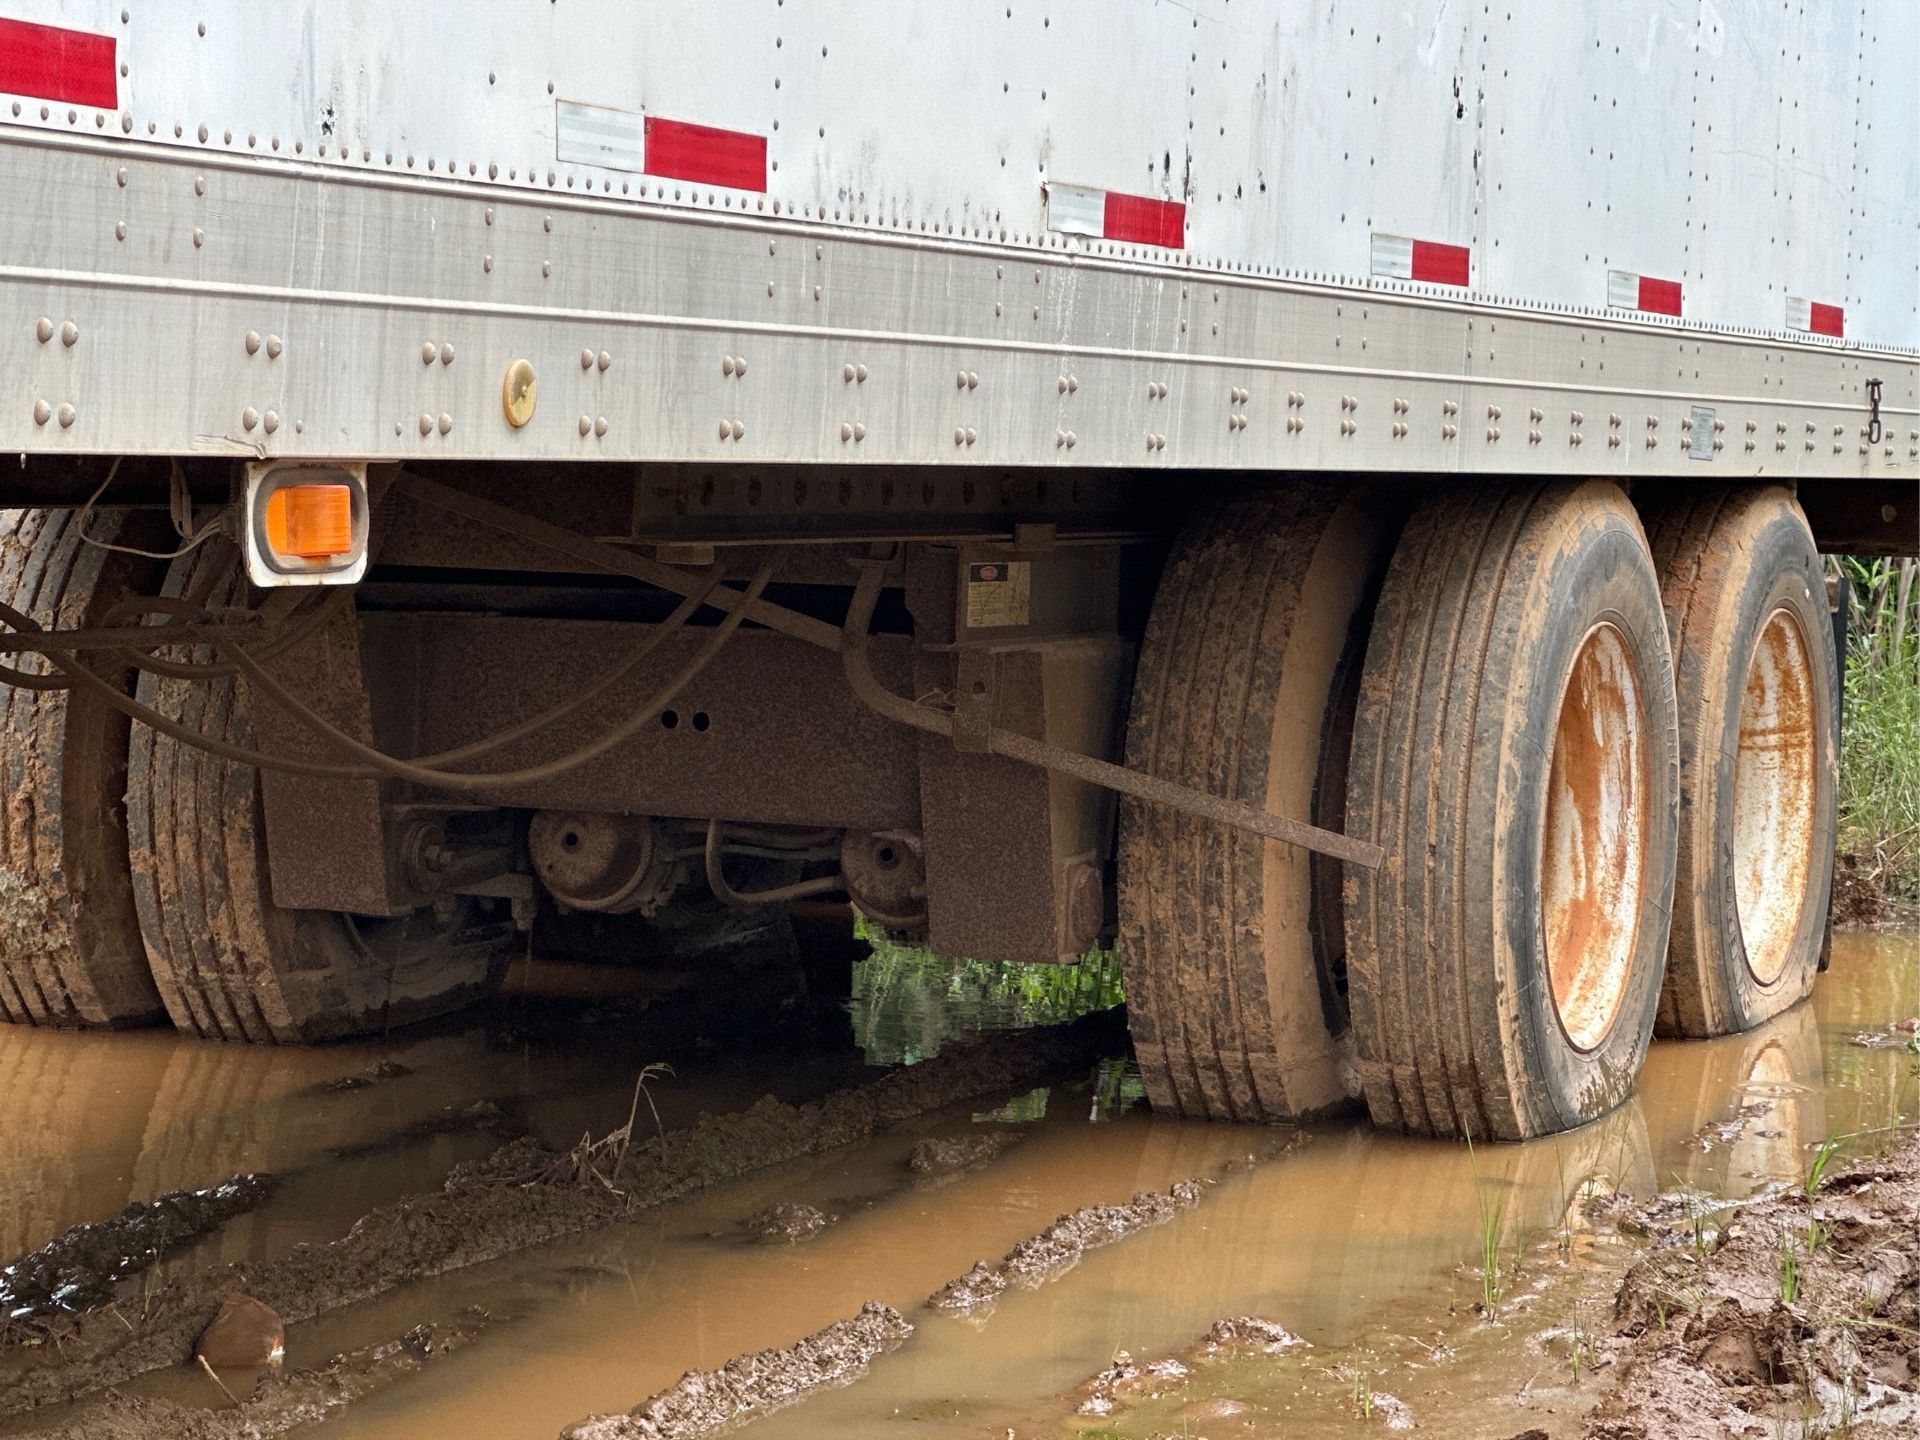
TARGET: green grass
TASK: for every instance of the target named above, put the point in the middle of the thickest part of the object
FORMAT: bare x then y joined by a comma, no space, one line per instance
1879,797
1493,1275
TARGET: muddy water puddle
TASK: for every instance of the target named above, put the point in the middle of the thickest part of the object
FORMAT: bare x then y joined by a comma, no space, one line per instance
1367,1246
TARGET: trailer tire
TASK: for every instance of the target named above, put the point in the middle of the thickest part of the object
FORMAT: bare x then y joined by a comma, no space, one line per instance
1514,753
1756,675
228,962
1251,655
70,949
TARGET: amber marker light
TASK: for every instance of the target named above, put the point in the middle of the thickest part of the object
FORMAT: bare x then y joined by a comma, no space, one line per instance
310,522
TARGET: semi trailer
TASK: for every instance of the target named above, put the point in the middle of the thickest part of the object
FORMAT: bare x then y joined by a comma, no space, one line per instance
1327,497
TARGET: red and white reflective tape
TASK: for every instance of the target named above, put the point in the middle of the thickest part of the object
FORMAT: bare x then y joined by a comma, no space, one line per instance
1424,260
74,67
649,145
1109,215
1814,318
1628,291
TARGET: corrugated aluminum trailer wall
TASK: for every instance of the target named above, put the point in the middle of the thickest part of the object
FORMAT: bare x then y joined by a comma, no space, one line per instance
1427,236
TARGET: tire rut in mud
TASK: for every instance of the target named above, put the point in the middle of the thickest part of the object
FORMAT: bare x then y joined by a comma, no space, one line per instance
487,1211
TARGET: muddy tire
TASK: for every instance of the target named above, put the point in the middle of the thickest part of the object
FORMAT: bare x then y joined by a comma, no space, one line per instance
228,962
1757,679
70,949
1244,686
1514,752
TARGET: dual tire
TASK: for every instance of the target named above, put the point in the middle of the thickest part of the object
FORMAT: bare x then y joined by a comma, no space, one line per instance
1557,728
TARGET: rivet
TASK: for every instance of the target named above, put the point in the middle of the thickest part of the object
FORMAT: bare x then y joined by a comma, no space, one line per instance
1493,432
491,170
199,184
446,421
1070,439
726,362
1062,384
121,175
960,380
972,435
846,432
66,416
859,431
586,359
740,429
42,412
274,347
1493,412
1578,418
1447,432
203,135
546,268
43,328
253,342
604,360
446,353
249,418
586,424
546,223
846,374
426,424
199,238
599,425
486,263
120,230
1449,407
860,373
69,334
1535,415
427,352
270,421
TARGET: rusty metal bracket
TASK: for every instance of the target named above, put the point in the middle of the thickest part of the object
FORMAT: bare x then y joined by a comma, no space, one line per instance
1151,788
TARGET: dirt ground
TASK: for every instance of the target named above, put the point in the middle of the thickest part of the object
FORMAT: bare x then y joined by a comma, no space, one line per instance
1800,1317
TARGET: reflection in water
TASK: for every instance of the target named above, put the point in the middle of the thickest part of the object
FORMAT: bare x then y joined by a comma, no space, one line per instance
1341,1233
907,1002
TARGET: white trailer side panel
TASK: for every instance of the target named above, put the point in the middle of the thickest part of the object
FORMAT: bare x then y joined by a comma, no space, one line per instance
1249,233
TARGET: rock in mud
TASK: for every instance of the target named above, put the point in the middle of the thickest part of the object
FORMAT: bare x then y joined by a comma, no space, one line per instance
706,1401
787,1223
1058,1248
952,1155
1801,1315
244,1334
79,1270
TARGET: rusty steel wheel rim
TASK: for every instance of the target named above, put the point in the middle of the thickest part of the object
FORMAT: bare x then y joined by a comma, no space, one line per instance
1773,796
1593,844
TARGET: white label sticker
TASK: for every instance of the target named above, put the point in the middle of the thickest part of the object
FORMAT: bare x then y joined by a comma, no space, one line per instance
999,593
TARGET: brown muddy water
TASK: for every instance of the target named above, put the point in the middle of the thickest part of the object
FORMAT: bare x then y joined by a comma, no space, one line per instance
1366,1245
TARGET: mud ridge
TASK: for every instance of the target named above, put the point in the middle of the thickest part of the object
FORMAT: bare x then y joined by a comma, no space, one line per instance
1125,1381
703,1402
1800,1320
79,1269
278,1403
1057,1249
489,1210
